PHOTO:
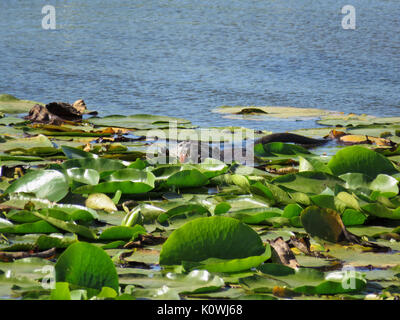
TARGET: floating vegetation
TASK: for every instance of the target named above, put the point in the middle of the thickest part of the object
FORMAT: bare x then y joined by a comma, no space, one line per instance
106,208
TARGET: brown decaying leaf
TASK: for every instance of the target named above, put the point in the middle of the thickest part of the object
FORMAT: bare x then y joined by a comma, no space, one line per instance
303,244
282,253
145,240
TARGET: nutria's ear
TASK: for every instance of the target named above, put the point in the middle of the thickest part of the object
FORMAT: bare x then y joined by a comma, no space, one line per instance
80,106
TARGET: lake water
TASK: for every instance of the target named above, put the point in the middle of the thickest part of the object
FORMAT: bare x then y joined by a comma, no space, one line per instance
183,58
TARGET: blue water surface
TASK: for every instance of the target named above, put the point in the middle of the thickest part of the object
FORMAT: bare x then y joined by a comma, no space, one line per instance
184,58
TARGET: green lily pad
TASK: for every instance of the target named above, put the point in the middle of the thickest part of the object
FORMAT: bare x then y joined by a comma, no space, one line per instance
30,143
228,265
361,160
46,184
122,233
386,185
313,164
85,265
69,226
308,181
11,104
211,237
126,180
86,176
101,165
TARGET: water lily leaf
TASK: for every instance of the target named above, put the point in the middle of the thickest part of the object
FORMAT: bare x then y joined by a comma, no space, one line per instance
76,212
101,165
11,104
278,148
212,167
351,217
354,120
379,210
361,160
60,292
68,226
211,237
86,176
255,215
241,181
308,181
266,112
348,199
323,223
229,265
386,185
182,209
311,281
138,164
30,227
355,180
261,284
221,208
100,201
46,184
122,233
37,151
196,281
23,271
313,164
292,210
5,223
125,180
187,177
39,141
55,240
75,153
6,121
106,292
86,265
140,121
23,159
263,190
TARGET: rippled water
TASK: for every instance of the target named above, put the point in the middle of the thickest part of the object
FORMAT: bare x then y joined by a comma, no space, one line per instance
183,58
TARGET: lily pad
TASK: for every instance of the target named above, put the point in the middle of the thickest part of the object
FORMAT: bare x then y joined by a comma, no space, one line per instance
100,201
211,237
85,265
11,104
361,160
267,112
322,223
125,180
45,184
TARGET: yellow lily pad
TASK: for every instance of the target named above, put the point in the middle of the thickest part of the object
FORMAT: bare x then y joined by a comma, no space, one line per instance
268,112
